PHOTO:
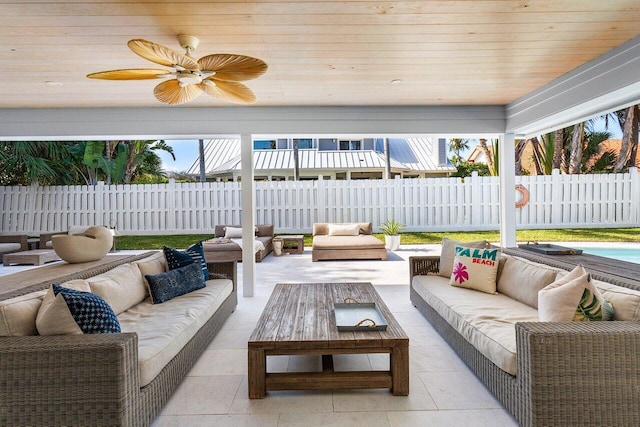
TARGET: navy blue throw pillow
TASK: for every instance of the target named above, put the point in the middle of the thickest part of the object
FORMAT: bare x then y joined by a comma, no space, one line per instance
194,253
176,282
92,314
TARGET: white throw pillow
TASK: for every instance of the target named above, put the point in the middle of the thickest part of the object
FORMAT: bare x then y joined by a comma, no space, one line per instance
233,232
475,268
573,297
344,229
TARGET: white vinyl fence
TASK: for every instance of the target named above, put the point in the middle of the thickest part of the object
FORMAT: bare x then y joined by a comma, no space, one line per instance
430,204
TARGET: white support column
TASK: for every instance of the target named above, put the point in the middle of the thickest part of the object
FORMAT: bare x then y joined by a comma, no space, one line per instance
506,158
248,217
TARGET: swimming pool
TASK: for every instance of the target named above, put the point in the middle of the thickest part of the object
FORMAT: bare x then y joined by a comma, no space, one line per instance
631,254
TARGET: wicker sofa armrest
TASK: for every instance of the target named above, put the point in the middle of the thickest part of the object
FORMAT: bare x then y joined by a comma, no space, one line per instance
15,238
224,270
423,265
69,379
569,366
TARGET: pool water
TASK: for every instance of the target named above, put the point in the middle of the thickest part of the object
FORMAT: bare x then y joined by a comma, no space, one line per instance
622,254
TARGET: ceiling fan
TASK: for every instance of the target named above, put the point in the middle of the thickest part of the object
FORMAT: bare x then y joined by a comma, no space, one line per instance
218,75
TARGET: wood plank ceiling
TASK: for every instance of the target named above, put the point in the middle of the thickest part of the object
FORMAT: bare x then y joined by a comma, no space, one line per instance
320,53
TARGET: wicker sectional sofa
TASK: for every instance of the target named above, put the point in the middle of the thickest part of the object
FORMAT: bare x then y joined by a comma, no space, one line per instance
112,379
562,373
348,241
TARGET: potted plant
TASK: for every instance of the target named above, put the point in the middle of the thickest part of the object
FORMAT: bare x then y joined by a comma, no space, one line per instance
391,230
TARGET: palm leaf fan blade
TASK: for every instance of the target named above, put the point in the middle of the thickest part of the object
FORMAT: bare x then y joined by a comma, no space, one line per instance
229,67
129,74
229,91
170,92
160,54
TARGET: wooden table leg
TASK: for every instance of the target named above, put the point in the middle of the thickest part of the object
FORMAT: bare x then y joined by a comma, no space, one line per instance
400,371
257,373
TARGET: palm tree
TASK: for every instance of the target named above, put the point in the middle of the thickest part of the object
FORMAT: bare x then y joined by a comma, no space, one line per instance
26,162
456,146
141,152
577,139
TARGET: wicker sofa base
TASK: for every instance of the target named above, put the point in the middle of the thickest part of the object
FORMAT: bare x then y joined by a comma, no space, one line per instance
568,373
94,379
346,254
500,383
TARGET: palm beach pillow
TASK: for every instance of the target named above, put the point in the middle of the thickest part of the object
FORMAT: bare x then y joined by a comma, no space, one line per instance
475,268
573,297
68,311
448,253
194,253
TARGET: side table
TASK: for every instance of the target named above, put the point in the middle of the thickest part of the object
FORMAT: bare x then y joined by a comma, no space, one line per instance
292,243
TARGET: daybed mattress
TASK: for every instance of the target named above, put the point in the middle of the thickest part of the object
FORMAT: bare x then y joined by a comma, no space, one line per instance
164,329
362,241
487,321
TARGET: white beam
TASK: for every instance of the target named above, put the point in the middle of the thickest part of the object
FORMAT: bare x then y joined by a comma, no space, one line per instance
506,161
248,216
607,83
194,123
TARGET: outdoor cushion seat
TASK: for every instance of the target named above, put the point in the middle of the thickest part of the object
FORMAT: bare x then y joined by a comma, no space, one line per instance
12,243
92,245
221,248
363,241
6,248
492,331
164,329
332,241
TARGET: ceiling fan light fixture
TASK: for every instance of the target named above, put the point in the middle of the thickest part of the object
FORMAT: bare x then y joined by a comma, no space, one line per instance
188,78
191,77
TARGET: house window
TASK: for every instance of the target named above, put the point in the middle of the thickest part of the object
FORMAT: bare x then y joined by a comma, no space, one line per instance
442,152
350,145
264,144
305,143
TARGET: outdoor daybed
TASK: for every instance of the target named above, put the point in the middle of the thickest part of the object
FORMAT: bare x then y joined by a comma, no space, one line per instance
12,243
109,379
553,373
346,241
225,245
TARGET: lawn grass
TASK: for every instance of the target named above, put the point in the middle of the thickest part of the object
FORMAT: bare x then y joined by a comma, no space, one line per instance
412,238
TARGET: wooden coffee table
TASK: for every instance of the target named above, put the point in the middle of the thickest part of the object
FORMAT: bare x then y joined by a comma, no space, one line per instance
299,319
33,257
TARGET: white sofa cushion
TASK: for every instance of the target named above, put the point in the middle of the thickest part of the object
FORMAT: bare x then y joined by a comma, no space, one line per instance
487,321
344,229
625,301
121,287
154,264
18,315
522,279
164,329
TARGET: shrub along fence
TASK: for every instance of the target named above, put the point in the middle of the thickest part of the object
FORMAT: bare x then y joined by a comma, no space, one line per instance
425,204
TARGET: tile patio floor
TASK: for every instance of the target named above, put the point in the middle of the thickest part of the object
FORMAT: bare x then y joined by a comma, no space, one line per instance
443,390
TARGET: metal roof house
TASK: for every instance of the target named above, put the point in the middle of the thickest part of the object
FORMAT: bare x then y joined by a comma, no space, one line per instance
331,158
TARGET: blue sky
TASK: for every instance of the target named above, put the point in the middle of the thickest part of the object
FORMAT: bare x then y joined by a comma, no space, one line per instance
186,151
